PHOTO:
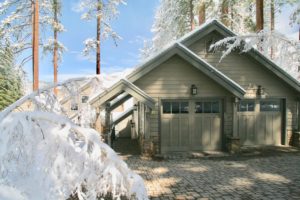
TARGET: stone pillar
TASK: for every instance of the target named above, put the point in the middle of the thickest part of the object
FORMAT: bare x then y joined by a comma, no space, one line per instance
107,125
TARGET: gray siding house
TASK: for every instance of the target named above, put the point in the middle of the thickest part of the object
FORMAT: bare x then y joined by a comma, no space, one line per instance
188,100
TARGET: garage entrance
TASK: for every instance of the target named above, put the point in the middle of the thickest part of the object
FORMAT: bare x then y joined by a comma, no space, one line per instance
191,125
260,121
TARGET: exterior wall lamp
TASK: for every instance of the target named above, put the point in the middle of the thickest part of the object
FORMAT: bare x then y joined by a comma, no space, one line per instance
260,90
194,90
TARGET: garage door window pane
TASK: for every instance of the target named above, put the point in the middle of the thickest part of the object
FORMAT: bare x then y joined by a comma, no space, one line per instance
250,106
207,107
175,107
215,107
166,107
270,106
246,106
184,107
198,107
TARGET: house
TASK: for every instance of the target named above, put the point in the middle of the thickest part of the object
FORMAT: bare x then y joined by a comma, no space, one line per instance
74,102
187,100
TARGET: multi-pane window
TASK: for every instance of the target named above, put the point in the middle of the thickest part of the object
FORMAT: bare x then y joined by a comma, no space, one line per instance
270,105
207,107
175,107
84,99
74,106
246,106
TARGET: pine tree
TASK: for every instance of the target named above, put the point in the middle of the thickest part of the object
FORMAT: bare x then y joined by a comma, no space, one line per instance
52,45
20,27
102,12
10,79
173,19
259,15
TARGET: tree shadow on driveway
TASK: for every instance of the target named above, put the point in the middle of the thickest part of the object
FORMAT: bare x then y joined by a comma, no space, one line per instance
249,175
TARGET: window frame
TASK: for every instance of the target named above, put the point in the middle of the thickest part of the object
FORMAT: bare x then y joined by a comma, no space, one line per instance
84,97
181,109
74,107
247,105
203,107
274,101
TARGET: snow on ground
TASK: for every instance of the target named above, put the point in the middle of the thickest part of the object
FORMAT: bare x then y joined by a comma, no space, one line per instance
45,156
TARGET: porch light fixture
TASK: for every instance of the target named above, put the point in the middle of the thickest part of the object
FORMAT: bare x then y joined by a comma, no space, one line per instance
135,107
193,90
259,90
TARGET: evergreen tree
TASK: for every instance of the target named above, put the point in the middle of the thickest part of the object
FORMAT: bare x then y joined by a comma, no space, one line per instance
173,19
102,12
20,27
10,79
52,45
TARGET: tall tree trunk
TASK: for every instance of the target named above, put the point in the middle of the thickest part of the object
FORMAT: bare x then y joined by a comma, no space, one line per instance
224,13
55,49
259,15
192,15
202,15
35,44
272,23
98,66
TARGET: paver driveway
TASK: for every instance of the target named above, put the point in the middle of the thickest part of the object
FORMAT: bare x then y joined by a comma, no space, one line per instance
272,177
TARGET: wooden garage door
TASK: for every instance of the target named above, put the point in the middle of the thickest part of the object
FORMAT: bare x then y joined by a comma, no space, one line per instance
191,125
175,126
207,125
260,122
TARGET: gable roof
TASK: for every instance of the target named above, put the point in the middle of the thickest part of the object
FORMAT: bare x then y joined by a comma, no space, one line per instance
118,88
206,28
189,56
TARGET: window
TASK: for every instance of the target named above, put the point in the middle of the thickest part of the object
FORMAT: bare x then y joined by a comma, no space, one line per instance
175,107
74,106
246,106
184,107
84,99
207,107
270,105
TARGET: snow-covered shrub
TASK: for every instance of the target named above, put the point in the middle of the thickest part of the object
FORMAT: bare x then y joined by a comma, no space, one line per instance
45,156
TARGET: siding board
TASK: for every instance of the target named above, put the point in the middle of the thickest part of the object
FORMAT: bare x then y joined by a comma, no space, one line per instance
247,72
173,79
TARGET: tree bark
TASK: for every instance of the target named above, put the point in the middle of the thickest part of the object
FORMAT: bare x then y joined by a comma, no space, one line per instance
272,23
55,49
224,13
192,15
202,14
35,45
259,15
98,58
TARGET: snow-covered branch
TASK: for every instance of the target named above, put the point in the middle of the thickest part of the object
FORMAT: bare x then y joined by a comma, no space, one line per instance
283,51
46,156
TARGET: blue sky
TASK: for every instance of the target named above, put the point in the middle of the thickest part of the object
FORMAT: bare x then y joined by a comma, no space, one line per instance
133,25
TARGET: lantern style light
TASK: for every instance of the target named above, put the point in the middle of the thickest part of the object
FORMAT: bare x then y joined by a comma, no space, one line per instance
194,90
259,90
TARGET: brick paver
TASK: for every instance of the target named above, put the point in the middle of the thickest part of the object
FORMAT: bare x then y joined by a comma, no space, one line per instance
274,177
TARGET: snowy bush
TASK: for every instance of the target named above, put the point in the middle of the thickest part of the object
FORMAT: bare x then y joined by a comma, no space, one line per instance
45,156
